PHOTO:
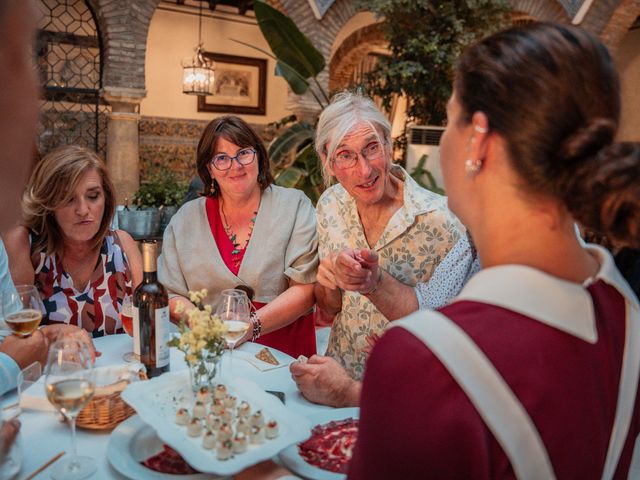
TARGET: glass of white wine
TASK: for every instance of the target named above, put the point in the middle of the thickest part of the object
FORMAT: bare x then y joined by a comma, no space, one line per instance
22,309
233,310
70,384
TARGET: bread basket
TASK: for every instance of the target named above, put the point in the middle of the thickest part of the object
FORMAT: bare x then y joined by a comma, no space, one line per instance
106,409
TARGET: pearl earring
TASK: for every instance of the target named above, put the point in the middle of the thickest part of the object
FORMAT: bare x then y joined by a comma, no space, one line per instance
471,167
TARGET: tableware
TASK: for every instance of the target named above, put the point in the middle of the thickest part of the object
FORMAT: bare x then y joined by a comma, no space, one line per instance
22,309
70,383
158,400
233,310
126,316
283,359
45,466
134,441
291,456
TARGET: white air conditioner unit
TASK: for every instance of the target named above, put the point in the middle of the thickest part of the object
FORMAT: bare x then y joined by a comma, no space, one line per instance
425,140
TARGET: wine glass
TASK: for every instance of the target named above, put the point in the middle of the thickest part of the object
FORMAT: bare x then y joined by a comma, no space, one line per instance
233,310
70,384
22,309
126,316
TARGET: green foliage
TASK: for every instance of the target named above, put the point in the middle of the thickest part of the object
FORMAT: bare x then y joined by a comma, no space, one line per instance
297,60
162,189
425,39
418,174
294,160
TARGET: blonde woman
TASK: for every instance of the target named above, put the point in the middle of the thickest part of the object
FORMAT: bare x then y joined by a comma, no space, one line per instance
65,247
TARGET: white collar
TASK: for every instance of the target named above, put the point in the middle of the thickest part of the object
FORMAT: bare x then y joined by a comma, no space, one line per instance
559,303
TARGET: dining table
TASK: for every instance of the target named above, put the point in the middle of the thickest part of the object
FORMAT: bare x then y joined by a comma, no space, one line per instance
43,434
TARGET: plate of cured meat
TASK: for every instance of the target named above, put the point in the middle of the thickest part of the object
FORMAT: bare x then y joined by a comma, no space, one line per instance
325,455
136,452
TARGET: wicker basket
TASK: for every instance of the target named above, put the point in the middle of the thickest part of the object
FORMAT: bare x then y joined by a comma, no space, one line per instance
106,409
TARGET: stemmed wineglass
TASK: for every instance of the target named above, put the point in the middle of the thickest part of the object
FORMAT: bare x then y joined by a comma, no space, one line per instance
22,309
70,384
233,310
126,316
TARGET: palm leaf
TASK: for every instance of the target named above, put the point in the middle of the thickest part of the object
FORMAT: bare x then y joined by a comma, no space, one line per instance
287,42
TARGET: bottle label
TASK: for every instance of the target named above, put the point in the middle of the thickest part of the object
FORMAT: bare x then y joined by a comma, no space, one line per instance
136,331
162,337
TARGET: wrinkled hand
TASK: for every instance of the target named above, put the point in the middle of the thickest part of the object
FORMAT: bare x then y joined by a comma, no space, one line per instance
56,331
371,342
322,380
325,275
25,351
356,270
8,433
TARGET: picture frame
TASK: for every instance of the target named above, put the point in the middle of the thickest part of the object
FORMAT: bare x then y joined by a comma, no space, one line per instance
240,85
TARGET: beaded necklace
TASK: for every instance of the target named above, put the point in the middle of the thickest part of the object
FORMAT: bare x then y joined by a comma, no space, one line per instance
233,237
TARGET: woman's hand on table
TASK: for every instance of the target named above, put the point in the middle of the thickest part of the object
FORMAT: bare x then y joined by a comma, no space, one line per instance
54,331
322,380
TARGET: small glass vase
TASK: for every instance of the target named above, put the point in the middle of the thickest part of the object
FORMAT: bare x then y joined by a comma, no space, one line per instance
203,372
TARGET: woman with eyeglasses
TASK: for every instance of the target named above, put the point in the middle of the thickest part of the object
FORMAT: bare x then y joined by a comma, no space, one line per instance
380,234
245,232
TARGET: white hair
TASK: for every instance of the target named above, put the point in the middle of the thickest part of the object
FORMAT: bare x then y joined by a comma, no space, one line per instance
346,111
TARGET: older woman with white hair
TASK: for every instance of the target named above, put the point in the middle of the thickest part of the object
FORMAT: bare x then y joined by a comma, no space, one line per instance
379,231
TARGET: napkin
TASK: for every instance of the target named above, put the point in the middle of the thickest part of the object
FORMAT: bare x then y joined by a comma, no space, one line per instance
35,398
283,359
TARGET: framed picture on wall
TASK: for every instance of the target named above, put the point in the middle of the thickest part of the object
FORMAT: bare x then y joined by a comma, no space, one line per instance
240,85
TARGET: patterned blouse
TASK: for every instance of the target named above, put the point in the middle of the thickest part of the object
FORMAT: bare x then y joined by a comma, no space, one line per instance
97,307
416,239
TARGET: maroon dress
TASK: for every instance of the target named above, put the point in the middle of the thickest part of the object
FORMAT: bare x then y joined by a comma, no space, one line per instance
417,422
297,338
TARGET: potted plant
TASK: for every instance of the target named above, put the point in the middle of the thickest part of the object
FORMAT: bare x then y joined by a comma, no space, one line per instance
153,205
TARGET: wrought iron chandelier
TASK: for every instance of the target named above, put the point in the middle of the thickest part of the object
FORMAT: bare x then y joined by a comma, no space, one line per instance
197,73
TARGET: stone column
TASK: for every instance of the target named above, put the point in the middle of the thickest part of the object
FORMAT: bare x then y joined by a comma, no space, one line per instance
123,156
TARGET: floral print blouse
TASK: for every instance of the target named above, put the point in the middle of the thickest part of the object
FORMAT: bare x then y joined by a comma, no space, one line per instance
417,238
97,306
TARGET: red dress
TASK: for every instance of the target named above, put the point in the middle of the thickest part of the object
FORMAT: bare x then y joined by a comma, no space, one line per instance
417,422
297,338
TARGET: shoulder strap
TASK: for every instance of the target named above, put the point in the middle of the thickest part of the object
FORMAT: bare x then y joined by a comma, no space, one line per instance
493,399
627,390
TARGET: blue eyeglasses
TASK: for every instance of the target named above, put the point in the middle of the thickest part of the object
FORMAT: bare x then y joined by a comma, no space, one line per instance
246,156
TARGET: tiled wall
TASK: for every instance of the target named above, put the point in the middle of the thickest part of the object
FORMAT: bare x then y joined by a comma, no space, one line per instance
170,143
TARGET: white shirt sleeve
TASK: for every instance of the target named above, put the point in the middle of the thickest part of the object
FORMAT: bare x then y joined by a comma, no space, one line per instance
460,264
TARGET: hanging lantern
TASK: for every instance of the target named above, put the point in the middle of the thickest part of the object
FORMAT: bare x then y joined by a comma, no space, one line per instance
197,73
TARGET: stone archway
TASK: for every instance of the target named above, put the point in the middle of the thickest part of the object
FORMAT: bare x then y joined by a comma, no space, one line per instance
547,10
350,54
123,27
322,34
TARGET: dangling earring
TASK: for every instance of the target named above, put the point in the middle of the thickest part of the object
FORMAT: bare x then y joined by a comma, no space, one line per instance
212,190
472,168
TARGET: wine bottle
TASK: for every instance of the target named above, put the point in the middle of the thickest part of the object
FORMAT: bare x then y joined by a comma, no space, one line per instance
151,316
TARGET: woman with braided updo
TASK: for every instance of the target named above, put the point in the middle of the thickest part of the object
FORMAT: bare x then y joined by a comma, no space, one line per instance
532,372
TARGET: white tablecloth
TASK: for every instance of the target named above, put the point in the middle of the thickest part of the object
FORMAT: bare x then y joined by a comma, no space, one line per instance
43,435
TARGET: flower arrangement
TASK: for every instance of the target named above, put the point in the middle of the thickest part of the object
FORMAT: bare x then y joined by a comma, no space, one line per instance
201,340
